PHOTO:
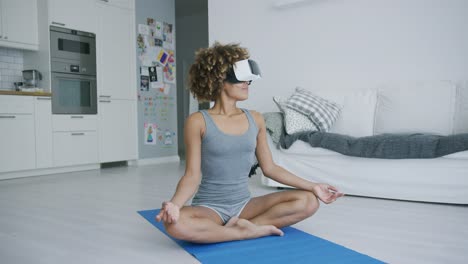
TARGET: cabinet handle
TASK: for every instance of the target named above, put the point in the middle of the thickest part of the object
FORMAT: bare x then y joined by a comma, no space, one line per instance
76,117
5,37
77,134
43,98
104,96
107,1
7,116
57,23
105,101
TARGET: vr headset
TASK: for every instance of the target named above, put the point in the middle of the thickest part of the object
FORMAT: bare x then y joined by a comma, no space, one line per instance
243,71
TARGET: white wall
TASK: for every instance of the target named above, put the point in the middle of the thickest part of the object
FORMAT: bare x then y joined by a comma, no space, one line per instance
344,44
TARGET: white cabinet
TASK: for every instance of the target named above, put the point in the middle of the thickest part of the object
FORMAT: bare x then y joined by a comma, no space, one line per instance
115,53
17,148
17,141
43,130
19,24
75,140
73,14
116,81
117,130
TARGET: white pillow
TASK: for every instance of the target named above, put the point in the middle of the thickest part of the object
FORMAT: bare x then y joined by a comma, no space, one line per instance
461,108
357,115
416,107
294,122
321,111
358,112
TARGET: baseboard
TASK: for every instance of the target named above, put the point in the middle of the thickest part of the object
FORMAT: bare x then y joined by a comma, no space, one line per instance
160,160
38,172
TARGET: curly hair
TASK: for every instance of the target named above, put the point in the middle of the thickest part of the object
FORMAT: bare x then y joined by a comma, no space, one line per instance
208,72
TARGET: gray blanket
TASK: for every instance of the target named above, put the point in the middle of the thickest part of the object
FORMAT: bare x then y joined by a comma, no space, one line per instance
386,146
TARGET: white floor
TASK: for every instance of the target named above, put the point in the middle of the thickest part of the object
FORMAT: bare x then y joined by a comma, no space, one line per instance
90,217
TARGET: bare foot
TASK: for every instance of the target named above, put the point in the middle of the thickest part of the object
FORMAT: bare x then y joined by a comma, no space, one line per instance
254,231
232,221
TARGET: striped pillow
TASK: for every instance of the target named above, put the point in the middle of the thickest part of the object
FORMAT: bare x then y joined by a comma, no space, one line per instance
323,113
294,122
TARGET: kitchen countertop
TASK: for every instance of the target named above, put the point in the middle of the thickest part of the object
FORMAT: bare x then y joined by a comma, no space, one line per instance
11,92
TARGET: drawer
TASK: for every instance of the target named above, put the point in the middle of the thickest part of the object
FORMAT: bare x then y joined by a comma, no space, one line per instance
75,148
74,123
14,104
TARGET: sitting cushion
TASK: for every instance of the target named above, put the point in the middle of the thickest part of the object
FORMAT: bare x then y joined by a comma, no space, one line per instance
294,121
416,107
322,112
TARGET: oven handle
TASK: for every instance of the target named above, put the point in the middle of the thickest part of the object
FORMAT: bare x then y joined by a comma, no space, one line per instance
58,23
73,76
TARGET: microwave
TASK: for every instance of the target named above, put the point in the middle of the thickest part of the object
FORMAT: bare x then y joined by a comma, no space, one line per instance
73,45
73,71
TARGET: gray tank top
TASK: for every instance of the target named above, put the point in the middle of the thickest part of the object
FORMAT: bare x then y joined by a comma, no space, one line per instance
225,163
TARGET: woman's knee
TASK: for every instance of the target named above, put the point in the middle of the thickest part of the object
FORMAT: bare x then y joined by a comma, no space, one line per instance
177,230
310,203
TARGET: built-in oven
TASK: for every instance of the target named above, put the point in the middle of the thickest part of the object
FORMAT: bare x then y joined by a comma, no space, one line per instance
73,71
74,94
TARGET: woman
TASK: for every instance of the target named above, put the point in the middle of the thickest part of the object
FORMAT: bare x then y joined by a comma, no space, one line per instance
221,144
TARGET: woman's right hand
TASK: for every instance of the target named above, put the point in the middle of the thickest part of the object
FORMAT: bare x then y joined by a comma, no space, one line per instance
169,213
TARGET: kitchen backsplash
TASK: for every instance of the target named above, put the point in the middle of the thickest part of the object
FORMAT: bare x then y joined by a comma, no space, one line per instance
11,67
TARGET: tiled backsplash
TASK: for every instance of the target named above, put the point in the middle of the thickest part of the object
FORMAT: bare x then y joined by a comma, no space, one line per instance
11,67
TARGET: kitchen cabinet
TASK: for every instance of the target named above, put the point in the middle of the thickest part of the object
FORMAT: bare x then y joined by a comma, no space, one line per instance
75,140
43,131
115,53
19,24
117,130
116,80
73,14
17,151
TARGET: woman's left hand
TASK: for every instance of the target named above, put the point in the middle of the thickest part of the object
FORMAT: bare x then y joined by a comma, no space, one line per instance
326,193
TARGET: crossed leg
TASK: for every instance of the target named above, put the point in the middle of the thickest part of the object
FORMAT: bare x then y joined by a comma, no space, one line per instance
281,208
262,216
202,225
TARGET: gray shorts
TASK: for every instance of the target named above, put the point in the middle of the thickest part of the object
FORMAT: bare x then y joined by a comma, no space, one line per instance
225,212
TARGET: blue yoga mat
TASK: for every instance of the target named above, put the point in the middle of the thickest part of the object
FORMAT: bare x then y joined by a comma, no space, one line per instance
294,247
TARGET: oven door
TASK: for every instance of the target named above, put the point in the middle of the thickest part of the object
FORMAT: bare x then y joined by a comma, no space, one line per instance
77,46
73,94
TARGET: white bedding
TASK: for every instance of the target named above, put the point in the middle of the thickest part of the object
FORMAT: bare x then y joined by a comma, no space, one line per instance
443,180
